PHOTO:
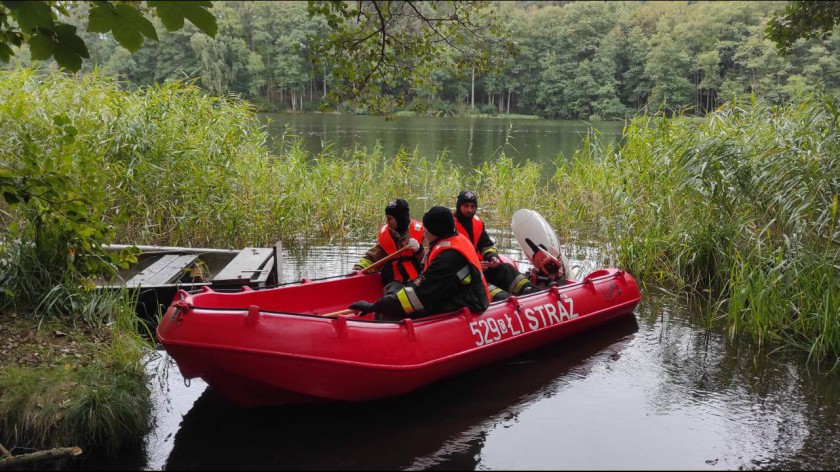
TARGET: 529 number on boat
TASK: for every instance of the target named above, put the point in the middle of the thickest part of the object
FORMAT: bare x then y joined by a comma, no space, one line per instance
507,325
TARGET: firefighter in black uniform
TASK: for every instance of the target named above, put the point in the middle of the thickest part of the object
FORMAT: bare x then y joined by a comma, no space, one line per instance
502,278
452,277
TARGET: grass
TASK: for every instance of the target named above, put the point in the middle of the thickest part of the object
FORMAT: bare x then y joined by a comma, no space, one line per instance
72,384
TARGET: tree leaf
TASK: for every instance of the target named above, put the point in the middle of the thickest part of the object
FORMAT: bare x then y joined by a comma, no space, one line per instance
126,22
5,52
172,15
101,18
41,46
31,15
69,47
11,198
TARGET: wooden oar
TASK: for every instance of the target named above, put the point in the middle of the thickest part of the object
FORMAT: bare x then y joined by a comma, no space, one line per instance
381,262
335,314
367,270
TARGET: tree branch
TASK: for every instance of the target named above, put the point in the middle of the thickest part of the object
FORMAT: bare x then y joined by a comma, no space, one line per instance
39,456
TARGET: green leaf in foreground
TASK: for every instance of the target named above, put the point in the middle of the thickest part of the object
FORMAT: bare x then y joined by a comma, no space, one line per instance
172,14
126,22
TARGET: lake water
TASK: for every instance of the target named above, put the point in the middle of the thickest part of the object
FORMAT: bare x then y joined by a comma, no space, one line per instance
655,391
466,141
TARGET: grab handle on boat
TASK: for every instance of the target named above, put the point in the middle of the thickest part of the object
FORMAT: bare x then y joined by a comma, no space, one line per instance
514,302
182,304
253,315
340,325
409,326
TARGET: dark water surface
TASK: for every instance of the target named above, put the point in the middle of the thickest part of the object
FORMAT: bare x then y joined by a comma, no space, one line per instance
653,391
466,141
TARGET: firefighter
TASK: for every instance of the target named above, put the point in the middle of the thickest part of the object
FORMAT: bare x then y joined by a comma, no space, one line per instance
502,277
452,277
398,231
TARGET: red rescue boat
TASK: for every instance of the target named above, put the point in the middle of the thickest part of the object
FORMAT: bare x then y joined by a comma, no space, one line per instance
274,345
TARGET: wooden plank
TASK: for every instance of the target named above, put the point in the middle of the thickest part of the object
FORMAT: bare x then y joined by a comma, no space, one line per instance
249,266
265,272
166,270
278,262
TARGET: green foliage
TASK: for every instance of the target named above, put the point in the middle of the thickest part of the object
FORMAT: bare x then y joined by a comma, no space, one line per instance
383,46
43,26
582,60
178,167
55,189
802,20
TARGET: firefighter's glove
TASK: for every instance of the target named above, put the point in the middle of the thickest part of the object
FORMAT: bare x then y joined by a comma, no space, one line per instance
362,306
413,244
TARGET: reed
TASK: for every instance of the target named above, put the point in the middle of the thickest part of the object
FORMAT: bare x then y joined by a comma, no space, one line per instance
742,205
178,167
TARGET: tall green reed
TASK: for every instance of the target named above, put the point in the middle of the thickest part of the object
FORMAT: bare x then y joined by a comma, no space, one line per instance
741,206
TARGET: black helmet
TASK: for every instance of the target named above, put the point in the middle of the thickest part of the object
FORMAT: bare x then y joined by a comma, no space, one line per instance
399,210
466,196
440,222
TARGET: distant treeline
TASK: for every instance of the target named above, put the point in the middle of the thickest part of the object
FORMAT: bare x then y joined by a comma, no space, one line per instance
577,60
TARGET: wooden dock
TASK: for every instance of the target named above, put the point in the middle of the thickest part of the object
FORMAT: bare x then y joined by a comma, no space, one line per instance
163,270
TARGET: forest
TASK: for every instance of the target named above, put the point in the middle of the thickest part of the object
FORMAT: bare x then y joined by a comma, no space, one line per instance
570,60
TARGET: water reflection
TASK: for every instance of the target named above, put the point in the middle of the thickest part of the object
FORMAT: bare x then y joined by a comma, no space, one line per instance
465,141
441,426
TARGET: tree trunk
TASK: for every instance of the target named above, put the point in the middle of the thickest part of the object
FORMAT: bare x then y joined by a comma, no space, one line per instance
696,93
508,103
269,87
472,93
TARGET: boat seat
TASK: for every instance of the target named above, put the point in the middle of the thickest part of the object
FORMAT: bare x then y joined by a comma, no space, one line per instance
166,270
252,266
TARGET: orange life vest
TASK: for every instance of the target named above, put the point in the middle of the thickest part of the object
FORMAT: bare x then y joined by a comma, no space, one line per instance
463,245
477,229
406,261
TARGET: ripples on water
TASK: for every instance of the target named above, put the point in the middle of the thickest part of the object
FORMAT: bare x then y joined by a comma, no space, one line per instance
654,391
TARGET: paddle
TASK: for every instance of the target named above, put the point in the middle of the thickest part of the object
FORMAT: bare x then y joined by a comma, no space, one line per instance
381,262
335,314
368,270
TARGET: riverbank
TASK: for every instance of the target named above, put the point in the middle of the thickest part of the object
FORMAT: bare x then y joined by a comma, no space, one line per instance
65,384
